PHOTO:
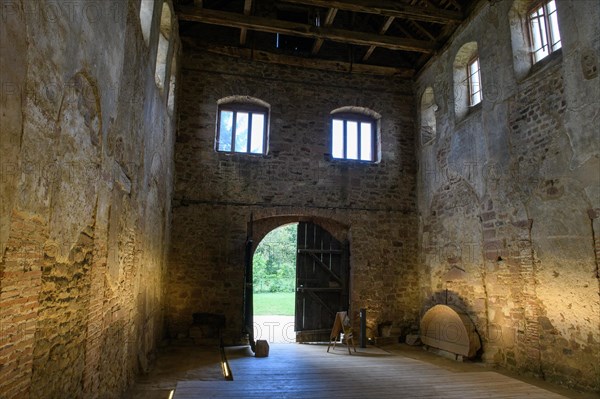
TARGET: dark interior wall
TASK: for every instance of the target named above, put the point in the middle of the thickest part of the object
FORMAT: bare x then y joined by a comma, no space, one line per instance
509,194
86,179
216,193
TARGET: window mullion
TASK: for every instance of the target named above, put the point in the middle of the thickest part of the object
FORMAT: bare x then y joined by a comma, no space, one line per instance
345,140
249,133
548,27
543,35
233,129
358,138
264,133
374,146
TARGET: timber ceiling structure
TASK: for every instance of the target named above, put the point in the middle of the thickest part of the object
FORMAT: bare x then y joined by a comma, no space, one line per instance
362,36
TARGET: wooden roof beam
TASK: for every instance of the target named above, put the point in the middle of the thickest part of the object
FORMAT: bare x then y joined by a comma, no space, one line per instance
269,25
423,30
384,28
244,31
389,8
312,63
331,13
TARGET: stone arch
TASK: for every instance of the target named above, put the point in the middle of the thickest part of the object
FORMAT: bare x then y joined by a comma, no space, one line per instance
519,36
357,110
428,119
452,242
262,227
244,100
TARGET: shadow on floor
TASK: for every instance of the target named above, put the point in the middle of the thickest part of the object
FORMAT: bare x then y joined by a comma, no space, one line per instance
177,362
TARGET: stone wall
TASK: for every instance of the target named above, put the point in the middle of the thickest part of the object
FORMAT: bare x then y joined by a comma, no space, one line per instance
216,193
509,194
86,169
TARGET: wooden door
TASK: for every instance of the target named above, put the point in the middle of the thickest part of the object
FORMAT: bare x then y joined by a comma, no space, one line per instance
322,275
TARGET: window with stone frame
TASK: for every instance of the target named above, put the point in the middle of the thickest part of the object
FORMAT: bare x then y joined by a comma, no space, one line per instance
354,137
543,30
474,81
242,128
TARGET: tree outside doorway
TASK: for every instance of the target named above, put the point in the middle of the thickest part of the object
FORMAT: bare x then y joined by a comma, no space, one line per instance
274,281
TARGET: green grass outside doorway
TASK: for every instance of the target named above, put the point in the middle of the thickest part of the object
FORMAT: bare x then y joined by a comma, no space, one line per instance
274,303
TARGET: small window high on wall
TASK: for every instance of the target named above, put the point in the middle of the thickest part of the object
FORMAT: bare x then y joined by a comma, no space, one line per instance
164,39
467,80
146,10
242,127
534,34
474,81
543,28
354,136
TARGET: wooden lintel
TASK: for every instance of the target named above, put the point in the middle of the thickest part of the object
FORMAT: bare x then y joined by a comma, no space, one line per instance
389,8
270,25
384,28
328,21
311,63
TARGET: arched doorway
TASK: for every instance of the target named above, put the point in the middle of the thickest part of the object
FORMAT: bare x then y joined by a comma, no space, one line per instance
322,277
274,285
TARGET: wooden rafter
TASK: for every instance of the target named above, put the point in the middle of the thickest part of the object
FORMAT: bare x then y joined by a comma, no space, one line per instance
384,28
423,30
270,25
455,4
244,31
389,8
331,13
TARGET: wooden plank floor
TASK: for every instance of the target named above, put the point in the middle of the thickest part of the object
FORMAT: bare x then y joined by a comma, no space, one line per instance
308,371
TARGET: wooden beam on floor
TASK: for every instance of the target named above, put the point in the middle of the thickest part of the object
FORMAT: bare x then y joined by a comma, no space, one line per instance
270,25
311,63
389,8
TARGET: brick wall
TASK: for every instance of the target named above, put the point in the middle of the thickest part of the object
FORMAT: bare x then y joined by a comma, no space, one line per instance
216,194
85,187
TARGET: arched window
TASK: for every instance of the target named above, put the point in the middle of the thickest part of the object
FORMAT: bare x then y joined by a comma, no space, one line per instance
467,80
428,122
355,134
163,46
172,84
146,11
242,125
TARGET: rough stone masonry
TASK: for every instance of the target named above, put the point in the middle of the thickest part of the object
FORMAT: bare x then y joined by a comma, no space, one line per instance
119,220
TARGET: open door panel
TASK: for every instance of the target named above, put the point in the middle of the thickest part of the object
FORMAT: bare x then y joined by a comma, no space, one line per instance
321,282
